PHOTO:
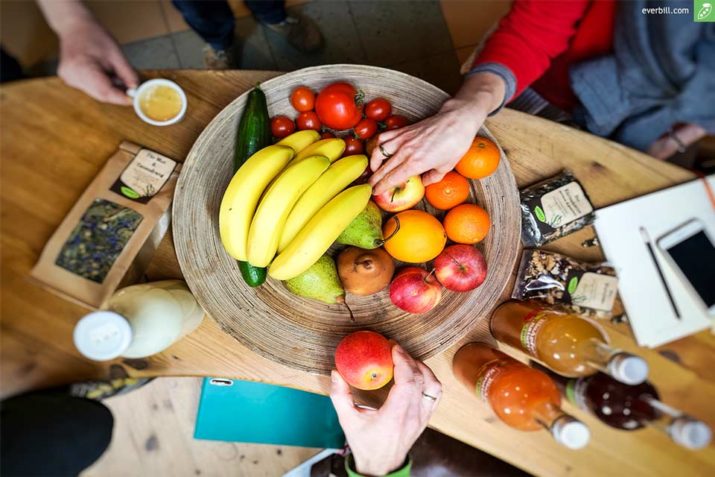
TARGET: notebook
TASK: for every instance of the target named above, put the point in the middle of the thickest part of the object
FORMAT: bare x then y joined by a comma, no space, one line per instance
245,411
647,305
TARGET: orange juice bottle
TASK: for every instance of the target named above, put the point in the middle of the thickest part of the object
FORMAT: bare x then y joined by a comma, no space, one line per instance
568,344
522,397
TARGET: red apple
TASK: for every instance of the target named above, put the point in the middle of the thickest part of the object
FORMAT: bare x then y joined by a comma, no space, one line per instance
364,360
401,197
460,268
415,290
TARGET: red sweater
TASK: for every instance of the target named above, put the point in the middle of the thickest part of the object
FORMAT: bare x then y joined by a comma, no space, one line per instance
539,39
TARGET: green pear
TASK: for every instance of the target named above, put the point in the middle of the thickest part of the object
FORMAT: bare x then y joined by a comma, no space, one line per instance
320,282
366,230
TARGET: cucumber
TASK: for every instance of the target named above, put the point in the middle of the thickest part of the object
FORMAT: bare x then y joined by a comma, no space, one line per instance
254,133
253,276
254,128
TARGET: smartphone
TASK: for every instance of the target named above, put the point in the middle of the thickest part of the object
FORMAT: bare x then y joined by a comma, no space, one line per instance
690,249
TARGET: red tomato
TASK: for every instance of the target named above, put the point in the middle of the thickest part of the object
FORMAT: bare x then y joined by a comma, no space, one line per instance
336,106
281,126
378,109
326,135
396,121
303,99
353,146
308,120
366,128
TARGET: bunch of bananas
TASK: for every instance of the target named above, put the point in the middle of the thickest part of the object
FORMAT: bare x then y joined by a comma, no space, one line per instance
290,199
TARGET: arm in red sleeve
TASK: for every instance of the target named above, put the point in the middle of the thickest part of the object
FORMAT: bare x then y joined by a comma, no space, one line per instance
532,34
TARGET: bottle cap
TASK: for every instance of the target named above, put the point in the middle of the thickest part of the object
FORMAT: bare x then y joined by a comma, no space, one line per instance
102,335
628,368
570,432
690,433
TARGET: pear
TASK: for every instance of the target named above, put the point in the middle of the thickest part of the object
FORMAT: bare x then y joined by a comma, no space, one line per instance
365,231
319,282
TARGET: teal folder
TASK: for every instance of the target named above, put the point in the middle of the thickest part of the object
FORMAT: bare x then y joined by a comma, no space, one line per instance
245,411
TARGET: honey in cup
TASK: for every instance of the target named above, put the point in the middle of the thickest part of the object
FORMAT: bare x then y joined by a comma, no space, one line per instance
160,102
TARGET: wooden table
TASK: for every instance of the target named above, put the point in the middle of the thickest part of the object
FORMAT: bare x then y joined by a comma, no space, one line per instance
54,140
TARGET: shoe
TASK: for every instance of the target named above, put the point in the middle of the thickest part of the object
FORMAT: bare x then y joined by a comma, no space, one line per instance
301,32
219,59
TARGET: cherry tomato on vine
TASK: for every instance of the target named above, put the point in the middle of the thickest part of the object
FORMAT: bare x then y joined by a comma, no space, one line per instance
327,135
378,109
396,121
353,146
337,106
308,120
281,126
303,99
365,129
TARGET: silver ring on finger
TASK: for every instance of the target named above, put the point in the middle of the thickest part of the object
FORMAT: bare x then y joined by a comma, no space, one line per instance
384,152
429,397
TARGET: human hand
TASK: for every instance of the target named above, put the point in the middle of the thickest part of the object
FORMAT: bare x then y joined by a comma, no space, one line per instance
90,60
380,439
435,145
676,140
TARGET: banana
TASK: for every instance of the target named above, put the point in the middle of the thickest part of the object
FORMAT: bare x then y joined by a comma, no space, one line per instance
277,202
242,194
331,148
338,176
320,232
300,140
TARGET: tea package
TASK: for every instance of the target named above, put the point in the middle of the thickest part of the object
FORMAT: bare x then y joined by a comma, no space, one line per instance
111,233
585,289
554,208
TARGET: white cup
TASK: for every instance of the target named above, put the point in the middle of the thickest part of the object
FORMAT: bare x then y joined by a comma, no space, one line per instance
136,94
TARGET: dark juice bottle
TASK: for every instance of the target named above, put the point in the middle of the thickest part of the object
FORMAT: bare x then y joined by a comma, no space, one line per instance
522,397
629,407
568,344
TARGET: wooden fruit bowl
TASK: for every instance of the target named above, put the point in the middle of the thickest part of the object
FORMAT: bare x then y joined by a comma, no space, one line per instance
303,333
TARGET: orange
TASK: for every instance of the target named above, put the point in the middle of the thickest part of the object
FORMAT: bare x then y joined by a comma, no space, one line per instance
481,160
467,223
420,236
452,190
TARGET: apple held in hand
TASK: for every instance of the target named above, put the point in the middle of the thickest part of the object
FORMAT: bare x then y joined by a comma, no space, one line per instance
401,197
460,268
415,290
364,360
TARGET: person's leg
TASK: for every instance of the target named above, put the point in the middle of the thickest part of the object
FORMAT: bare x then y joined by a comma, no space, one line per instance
211,20
301,32
52,433
267,11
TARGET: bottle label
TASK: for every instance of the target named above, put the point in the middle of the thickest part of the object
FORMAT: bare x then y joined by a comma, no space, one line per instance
575,392
533,322
486,378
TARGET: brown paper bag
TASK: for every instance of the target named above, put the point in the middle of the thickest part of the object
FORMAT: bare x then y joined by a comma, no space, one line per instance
111,233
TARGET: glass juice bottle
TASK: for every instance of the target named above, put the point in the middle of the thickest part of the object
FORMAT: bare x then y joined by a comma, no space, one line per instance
138,321
568,344
522,397
629,407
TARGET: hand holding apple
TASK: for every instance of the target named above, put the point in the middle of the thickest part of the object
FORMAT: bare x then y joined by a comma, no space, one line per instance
380,439
364,360
401,197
